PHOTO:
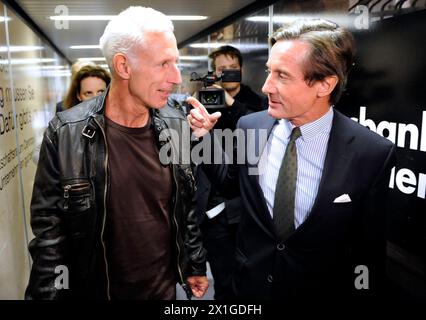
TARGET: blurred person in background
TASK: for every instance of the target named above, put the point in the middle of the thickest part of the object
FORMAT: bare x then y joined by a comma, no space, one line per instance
240,99
74,69
88,82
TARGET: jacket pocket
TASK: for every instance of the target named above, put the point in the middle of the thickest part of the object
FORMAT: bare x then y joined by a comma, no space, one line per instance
77,196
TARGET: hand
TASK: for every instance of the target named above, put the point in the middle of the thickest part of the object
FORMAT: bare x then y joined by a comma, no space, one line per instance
229,101
200,121
198,285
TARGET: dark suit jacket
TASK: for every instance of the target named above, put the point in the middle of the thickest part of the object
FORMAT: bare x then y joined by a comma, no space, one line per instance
318,260
246,102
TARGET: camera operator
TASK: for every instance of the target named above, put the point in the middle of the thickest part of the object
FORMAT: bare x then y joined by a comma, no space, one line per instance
219,217
240,99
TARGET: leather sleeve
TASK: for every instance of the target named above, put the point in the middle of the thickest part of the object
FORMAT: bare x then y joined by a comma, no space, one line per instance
194,245
48,246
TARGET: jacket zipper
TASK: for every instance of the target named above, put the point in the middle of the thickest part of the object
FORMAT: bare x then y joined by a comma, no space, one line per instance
75,187
67,189
104,219
184,286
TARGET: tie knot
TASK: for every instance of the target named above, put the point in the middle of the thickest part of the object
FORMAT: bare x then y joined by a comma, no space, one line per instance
295,133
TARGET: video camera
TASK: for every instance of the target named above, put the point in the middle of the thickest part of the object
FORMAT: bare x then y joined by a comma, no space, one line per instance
215,97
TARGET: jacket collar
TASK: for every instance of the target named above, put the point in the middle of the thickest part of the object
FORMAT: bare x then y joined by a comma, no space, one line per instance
99,105
338,165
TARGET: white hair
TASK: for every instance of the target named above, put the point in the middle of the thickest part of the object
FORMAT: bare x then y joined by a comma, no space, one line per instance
127,30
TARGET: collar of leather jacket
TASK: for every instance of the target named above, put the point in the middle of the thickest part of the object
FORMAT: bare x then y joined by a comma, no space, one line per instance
96,106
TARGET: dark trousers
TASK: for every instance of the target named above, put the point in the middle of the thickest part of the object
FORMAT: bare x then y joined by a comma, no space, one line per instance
219,241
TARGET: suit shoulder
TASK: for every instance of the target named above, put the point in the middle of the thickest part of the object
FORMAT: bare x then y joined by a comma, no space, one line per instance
253,120
363,134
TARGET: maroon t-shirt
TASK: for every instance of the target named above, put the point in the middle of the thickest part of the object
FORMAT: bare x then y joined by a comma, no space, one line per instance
138,236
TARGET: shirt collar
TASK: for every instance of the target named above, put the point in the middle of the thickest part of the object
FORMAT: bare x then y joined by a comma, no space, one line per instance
311,129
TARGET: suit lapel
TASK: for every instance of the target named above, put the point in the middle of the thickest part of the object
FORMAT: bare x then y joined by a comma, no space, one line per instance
337,167
256,138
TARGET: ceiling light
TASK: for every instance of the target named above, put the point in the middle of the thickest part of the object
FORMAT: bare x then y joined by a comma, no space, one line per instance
81,18
243,47
86,46
212,45
109,17
44,67
52,67
277,18
20,48
186,65
92,59
187,18
27,61
341,19
57,73
258,19
195,58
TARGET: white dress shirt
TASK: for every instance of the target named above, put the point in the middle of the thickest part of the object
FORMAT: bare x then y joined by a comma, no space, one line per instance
311,150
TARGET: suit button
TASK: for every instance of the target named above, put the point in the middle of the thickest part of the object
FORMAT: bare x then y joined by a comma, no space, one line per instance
270,278
280,246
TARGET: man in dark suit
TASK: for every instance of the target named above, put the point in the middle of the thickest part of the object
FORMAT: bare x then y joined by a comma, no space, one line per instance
313,219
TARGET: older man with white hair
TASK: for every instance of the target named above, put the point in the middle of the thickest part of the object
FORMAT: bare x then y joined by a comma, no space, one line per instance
104,209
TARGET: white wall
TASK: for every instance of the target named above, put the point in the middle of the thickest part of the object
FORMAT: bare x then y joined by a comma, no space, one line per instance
29,90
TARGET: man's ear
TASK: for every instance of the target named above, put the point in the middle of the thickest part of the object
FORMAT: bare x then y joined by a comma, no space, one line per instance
121,65
326,86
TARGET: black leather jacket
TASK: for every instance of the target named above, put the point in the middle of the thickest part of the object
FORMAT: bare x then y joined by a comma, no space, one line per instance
68,205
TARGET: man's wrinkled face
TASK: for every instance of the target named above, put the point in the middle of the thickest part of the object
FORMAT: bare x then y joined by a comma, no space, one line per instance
154,70
290,96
